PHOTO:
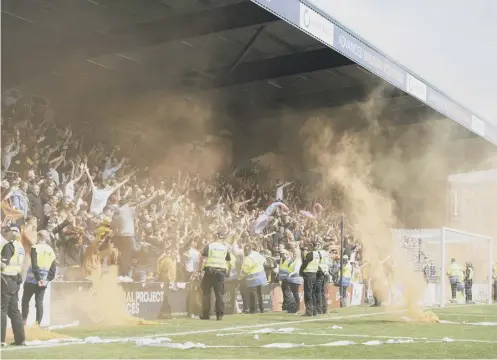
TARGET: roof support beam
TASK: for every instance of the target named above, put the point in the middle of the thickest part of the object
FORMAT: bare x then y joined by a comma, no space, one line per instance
281,66
246,72
246,49
150,33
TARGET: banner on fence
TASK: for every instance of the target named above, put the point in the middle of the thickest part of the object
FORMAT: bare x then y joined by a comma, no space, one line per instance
150,300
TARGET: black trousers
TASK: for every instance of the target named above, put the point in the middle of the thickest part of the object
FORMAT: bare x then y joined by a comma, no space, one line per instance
39,293
213,278
253,293
321,299
310,294
453,290
192,307
377,302
125,246
292,296
495,291
284,290
165,309
244,291
10,307
468,289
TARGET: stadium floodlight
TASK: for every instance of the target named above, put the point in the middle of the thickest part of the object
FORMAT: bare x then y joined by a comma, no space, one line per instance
431,251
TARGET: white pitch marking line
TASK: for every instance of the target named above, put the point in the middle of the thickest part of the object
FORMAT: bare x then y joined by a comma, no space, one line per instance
194,332
205,331
325,318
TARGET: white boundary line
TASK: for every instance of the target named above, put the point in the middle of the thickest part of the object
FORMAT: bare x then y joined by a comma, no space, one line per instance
280,323
244,327
211,330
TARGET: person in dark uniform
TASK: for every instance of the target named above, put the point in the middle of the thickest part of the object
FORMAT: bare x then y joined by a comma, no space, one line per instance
12,259
308,271
216,258
40,273
468,283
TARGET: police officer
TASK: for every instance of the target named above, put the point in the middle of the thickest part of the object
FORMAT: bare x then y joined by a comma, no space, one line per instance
454,274
468,283
12,259
294,280
40,273
310,266
254,275
216,258
321,279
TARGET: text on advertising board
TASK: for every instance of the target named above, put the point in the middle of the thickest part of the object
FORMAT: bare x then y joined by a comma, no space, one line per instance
369,58
316,25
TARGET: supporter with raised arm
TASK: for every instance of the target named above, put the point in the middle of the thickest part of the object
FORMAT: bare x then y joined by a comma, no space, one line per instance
100,196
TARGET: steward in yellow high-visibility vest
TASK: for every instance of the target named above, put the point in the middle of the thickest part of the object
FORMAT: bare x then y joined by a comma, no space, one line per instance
294,281
254,276
12,260
346,280
310,267
40,273
455,274
216,257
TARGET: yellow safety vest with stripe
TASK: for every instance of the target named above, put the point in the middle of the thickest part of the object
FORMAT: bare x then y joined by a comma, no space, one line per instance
454,273
294,279
253,269
16,261
494,272
346,274
216,257
324,261
283,272
313,266
45,256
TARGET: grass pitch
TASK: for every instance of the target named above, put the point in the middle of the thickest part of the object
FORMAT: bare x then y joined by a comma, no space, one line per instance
365,333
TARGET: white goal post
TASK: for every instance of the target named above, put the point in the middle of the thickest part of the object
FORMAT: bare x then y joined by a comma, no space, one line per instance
431,251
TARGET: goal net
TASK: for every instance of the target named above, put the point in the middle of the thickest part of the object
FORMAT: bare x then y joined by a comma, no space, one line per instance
431,252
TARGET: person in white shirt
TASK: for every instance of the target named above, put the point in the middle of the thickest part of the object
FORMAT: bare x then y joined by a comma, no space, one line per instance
125,241
69,188
99,197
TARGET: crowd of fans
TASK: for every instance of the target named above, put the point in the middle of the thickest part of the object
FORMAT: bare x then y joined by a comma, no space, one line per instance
91,196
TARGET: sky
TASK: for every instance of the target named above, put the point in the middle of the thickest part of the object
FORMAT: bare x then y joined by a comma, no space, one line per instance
451,44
